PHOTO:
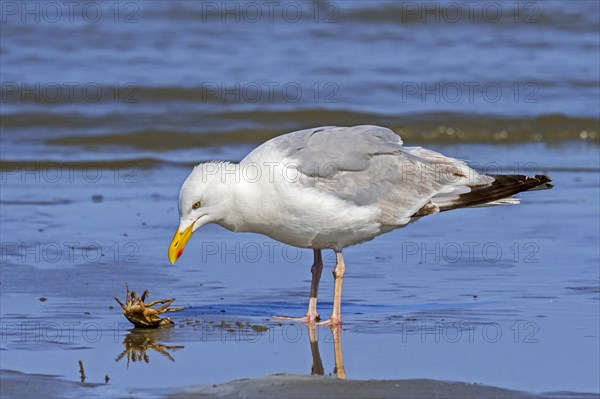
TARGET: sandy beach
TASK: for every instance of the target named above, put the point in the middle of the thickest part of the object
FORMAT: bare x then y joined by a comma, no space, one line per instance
18,385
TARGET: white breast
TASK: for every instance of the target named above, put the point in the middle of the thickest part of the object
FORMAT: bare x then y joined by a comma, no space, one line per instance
301,216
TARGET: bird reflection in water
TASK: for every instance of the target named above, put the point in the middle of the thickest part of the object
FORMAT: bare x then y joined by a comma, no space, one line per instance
336,336
139,342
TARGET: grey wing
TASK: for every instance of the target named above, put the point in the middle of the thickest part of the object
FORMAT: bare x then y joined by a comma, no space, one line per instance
368,166
317,151
327,150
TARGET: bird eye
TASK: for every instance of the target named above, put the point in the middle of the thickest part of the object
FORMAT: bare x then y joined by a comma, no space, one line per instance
197,205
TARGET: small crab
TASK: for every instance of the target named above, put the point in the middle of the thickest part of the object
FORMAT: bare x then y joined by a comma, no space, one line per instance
142,314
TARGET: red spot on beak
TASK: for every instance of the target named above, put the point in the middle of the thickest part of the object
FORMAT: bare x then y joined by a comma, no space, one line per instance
179,253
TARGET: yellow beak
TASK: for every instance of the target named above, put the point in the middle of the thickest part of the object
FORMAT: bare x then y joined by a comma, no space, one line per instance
178,243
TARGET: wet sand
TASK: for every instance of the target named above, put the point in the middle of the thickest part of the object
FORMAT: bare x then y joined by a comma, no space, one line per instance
416,312
18,385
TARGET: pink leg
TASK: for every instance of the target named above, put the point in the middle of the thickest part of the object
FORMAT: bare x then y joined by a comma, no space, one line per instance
338,278
316,270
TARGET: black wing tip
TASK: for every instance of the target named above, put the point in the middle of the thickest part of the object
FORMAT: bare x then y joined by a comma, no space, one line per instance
543,178
531,181
544,182
503,186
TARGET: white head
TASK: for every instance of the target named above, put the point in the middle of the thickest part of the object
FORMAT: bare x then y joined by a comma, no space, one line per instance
204,198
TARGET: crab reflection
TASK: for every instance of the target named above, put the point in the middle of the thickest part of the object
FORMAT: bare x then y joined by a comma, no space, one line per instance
139,342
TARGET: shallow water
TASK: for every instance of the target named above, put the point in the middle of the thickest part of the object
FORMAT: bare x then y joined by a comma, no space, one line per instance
365,56
102,120
500,72
504,296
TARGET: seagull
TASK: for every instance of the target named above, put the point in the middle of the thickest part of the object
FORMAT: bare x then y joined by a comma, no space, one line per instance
332,187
